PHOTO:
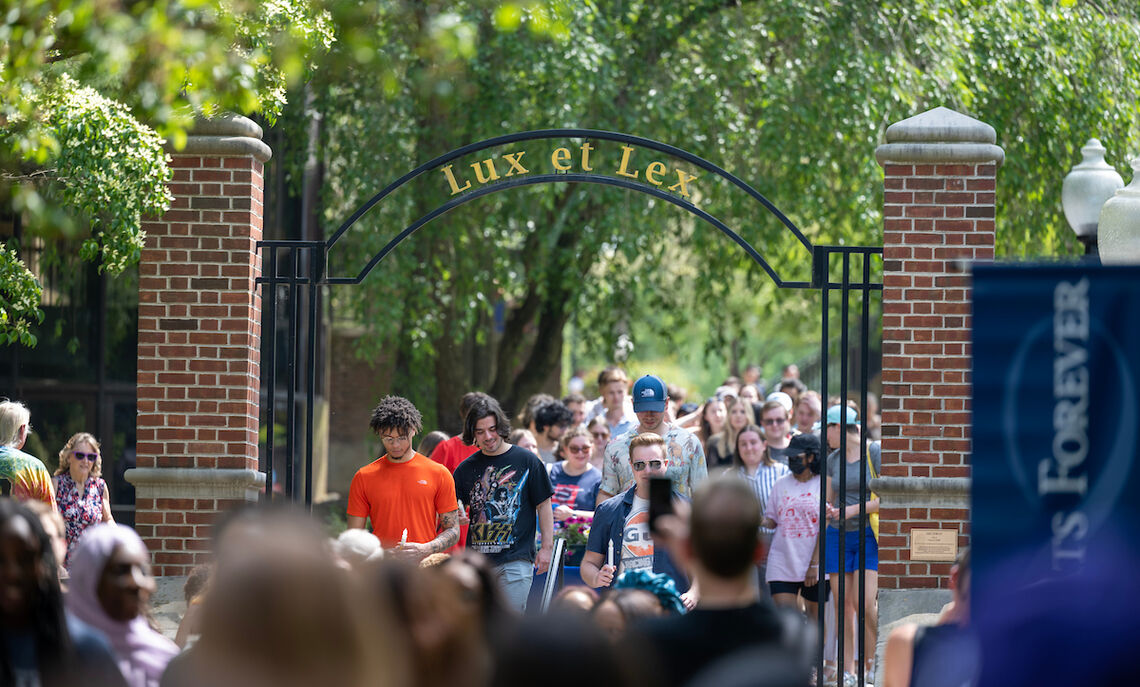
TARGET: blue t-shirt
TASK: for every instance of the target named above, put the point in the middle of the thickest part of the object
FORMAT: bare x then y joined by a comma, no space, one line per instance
577,491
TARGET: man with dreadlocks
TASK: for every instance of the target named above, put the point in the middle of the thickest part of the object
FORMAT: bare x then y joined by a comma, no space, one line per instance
409,497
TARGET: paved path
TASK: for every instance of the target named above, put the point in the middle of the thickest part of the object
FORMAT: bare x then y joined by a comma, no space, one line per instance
167,604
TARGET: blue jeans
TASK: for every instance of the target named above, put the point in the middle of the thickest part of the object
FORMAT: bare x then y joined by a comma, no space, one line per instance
514,580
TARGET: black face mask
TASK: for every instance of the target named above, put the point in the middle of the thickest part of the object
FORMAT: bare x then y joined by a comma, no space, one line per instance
798,464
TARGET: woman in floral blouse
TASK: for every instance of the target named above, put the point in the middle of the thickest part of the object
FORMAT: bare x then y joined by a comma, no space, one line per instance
80,492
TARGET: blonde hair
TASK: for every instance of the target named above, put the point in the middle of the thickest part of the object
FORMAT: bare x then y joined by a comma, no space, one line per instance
13,416
65,454
729,434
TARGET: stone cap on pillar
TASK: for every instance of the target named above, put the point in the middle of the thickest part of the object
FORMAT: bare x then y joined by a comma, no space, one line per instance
201,483
225,135
940,135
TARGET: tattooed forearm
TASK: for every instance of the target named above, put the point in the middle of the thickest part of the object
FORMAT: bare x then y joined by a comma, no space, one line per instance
449,534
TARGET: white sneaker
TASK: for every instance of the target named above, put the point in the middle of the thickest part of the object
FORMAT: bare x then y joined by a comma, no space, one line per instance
852,680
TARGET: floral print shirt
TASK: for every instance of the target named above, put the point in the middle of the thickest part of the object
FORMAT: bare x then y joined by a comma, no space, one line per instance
686,468
79,511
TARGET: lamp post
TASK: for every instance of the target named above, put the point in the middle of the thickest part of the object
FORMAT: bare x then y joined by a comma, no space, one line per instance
1085,189
1120,224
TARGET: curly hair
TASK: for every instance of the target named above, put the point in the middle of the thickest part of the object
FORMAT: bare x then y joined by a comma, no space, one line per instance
69,447
396,412
552,414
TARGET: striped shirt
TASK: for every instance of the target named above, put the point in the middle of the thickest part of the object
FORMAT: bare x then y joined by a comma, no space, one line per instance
762,481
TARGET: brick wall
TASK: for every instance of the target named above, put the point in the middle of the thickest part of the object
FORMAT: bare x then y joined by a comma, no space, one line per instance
199,346
940,173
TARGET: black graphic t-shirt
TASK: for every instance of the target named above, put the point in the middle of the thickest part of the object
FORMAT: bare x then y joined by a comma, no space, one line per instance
501,493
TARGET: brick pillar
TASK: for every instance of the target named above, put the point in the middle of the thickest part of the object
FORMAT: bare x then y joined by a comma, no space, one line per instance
940,172
199,345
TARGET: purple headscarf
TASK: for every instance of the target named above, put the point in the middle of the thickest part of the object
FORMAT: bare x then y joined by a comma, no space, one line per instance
141,653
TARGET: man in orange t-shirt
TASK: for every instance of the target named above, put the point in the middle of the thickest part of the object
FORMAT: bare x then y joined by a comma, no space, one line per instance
404,490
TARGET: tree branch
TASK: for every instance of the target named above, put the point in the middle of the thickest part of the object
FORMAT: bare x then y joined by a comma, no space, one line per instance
38,175
673,34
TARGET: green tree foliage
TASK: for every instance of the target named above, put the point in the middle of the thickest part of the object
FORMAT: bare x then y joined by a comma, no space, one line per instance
19,300
89,90
792,97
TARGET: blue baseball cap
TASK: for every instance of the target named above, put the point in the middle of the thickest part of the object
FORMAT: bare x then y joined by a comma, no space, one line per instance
649,395
834,418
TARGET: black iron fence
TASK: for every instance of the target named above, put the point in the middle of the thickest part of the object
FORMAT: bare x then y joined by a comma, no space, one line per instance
294,273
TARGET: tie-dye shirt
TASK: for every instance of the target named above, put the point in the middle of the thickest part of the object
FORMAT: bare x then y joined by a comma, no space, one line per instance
29,478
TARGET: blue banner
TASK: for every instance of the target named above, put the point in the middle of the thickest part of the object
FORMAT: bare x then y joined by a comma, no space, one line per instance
1056,494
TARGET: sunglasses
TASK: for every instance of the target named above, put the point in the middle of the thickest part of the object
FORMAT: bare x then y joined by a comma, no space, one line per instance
578,449
86,456
600,435
774,421
639,465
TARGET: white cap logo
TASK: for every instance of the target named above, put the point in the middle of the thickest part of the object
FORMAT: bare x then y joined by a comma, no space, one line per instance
647,392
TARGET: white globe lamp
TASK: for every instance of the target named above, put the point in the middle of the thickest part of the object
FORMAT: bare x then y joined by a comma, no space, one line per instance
1119,242
1085,189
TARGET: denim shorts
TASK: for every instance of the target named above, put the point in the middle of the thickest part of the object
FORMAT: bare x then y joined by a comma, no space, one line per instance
850,551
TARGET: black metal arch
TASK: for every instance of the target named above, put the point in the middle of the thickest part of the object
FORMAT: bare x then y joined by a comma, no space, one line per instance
569,178
543,134
296,271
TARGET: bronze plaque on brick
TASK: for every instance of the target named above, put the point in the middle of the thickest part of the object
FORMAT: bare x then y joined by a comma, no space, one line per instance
933,545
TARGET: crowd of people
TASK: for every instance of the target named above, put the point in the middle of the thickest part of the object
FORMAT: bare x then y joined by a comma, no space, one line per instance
575,460
718,580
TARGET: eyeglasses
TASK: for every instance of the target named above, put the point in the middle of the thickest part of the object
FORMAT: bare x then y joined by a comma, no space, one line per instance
578,449
394,440
639,465
86,456
775,420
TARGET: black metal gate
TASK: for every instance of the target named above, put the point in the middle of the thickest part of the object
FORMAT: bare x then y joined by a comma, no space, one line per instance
295,271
